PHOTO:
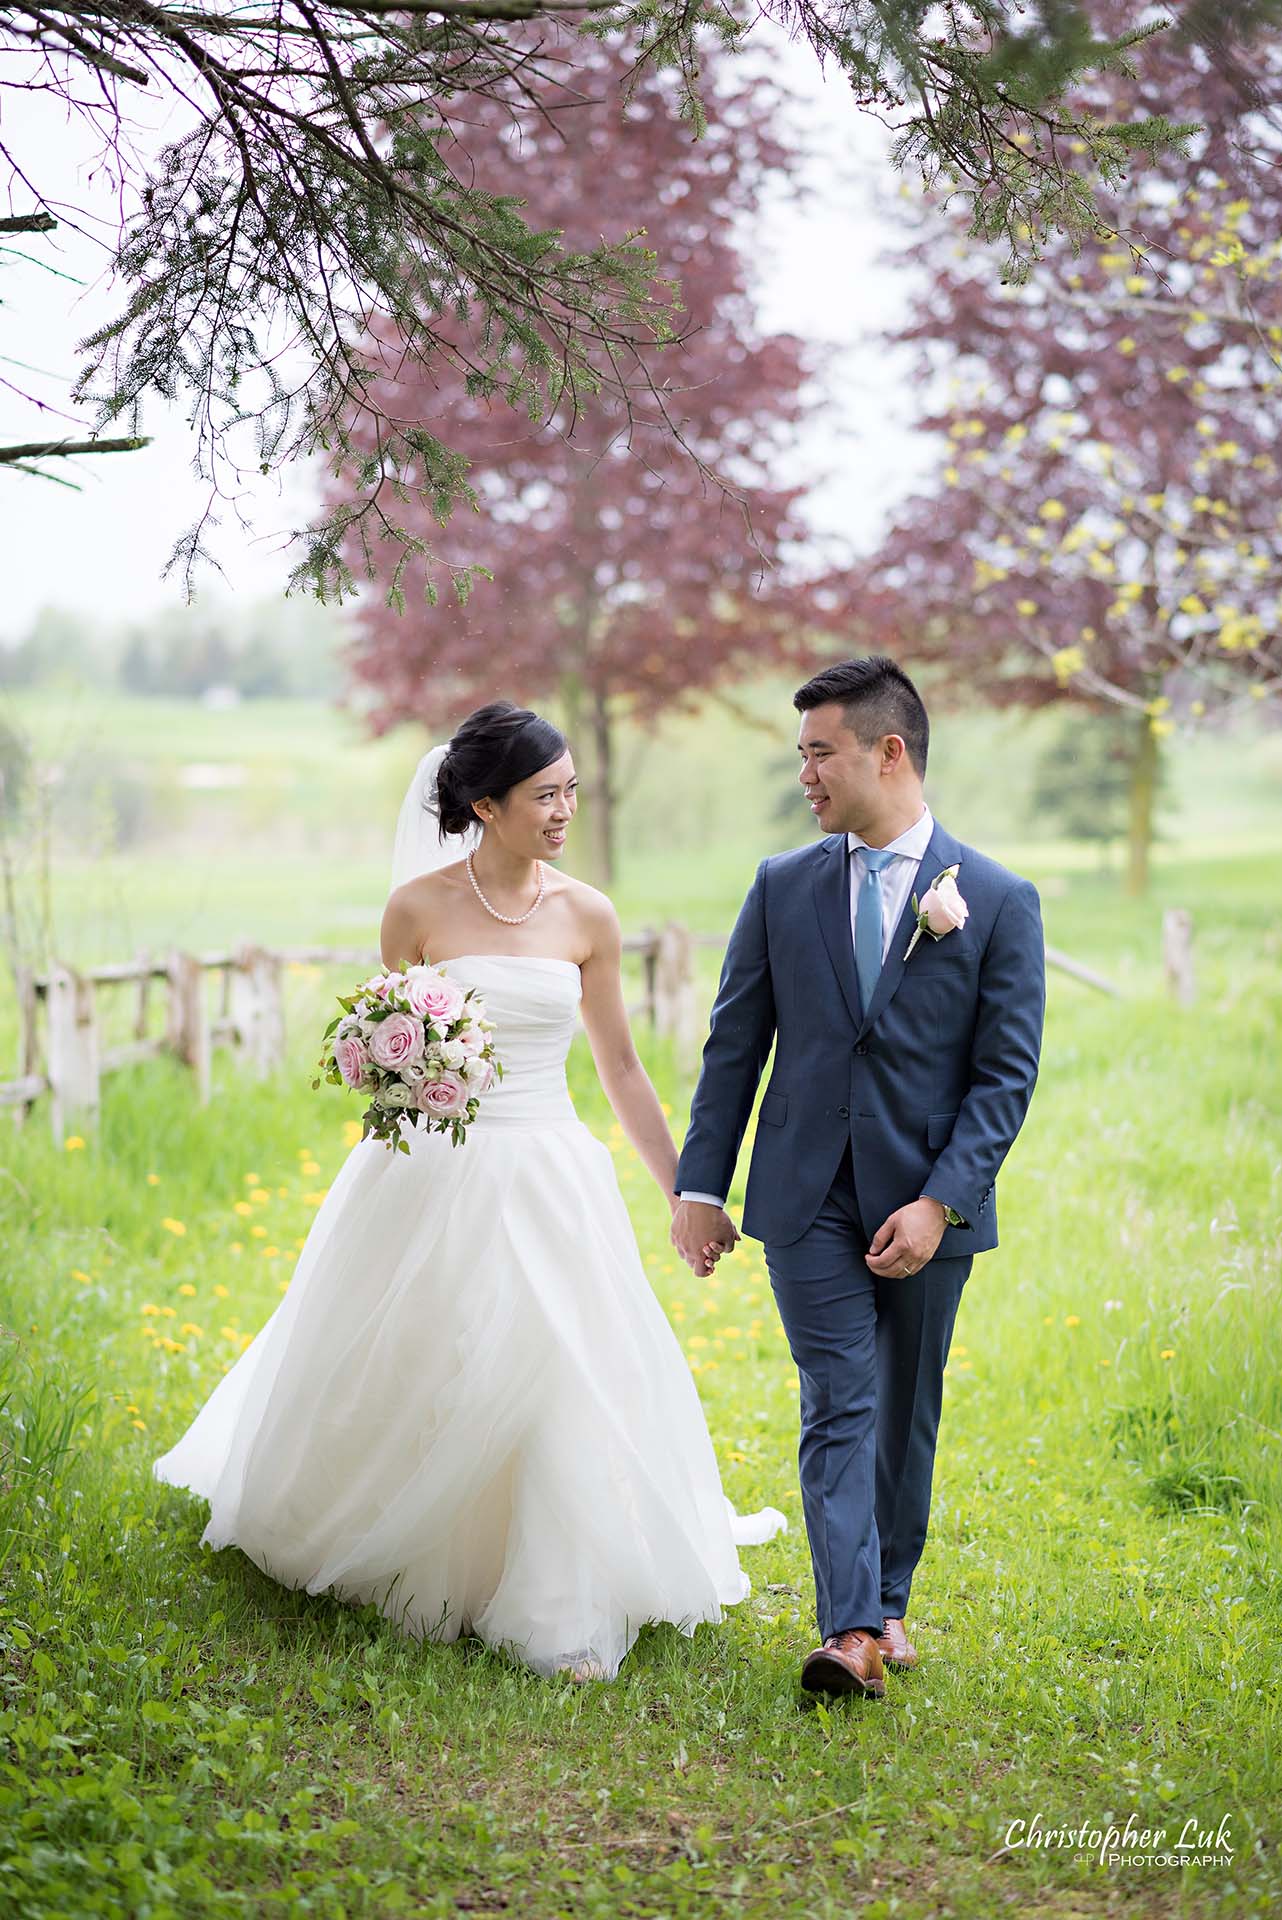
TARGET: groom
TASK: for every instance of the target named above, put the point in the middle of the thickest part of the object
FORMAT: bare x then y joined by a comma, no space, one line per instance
897,1089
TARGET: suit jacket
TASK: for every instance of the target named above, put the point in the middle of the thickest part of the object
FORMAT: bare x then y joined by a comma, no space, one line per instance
930,1083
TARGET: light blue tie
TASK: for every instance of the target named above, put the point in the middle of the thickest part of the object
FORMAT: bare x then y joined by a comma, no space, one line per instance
868,922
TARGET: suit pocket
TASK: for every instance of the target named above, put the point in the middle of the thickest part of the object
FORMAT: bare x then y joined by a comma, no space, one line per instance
774,1109
939,1129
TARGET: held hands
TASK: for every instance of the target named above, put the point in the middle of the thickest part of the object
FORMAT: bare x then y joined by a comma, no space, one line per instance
701,1234
907,1239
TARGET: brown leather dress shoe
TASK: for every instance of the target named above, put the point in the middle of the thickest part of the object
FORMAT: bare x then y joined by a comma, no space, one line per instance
846,1663
896,1649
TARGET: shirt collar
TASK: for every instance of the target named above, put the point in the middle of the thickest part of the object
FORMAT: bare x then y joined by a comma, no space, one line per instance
911,844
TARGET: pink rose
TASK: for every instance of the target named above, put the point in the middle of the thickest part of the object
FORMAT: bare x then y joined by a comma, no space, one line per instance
434,997
397,1041
351,1056
443,1099
943,906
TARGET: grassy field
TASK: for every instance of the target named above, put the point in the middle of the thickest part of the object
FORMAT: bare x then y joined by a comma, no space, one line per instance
1097,1609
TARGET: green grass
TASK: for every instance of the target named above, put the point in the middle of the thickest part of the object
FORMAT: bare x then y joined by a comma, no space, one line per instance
1097,1609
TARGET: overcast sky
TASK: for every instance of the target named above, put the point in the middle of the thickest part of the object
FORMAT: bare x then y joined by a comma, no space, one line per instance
102,550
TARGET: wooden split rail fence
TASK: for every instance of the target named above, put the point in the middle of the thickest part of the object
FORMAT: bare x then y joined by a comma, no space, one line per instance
70,1065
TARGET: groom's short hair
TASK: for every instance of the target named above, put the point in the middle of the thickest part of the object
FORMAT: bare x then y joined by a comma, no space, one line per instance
876,697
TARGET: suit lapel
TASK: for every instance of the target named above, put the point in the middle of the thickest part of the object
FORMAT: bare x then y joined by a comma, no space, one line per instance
941,852
832,902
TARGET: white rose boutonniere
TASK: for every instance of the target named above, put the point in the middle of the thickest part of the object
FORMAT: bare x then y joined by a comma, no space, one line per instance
941,910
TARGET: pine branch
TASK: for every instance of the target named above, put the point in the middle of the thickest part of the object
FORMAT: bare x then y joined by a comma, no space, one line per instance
47,449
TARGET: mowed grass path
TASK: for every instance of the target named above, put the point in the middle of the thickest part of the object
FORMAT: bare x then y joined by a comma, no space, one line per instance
1097,1609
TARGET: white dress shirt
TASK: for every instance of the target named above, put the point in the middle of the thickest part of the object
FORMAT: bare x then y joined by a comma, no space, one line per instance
897,880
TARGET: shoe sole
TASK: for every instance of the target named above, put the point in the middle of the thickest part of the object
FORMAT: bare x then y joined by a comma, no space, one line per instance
821,1675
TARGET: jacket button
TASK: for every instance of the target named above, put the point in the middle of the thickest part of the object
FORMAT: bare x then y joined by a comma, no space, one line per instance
862,1047
844,1112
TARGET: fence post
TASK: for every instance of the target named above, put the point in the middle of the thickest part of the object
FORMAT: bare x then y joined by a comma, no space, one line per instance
1177,953
258,1007
73,1052
28,1036
187,1023
674,1003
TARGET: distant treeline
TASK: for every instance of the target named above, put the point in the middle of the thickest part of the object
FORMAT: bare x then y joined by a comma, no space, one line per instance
266,650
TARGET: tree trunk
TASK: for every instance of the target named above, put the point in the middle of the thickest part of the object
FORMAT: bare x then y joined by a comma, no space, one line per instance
586,724
1143,797
601,823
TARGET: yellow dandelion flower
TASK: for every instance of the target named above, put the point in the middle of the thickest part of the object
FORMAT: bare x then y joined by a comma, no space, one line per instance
242,1207
1167,1353
259,1233
733,1453
259,1194
245,1340
230,1333
961,1349
1106,1363
283,1192
1072,1319
696,1340
304,1153
283,1285
153,1179
150,1308
270,1253
140,1424
1048,1319
187,1289
221,1292
169,1312
236,1247
1030,1462
189,1326
72,1142
174,1226
309,1167
131,1408
731,1333
78,1273
252,1179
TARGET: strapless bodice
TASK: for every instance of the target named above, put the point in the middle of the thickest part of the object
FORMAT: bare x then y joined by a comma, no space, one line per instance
534,1004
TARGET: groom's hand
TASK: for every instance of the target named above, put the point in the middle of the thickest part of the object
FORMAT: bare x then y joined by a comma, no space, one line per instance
904,1243
701,1234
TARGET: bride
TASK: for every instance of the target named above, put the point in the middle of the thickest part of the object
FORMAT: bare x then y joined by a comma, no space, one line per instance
469,1406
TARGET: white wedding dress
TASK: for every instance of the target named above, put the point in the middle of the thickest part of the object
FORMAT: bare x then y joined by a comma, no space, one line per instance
469,1406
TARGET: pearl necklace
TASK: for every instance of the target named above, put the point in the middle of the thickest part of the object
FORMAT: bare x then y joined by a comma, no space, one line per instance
509,919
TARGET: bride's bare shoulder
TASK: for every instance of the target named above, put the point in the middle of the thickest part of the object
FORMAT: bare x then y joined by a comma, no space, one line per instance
593,911
410,913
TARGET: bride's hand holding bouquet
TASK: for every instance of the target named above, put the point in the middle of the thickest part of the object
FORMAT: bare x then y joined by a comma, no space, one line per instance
419,1046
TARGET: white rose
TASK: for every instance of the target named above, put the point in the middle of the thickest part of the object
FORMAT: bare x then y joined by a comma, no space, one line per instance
453,1053
396,1096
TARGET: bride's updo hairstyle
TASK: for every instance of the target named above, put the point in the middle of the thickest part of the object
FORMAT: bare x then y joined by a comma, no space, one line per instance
493,750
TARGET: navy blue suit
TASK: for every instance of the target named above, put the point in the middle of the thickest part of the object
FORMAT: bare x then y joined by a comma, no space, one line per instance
867,1109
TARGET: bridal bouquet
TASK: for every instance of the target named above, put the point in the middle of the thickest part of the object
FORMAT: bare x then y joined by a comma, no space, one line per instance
418,1045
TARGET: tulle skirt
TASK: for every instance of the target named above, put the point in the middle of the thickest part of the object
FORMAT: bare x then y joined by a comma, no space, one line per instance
470,1408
